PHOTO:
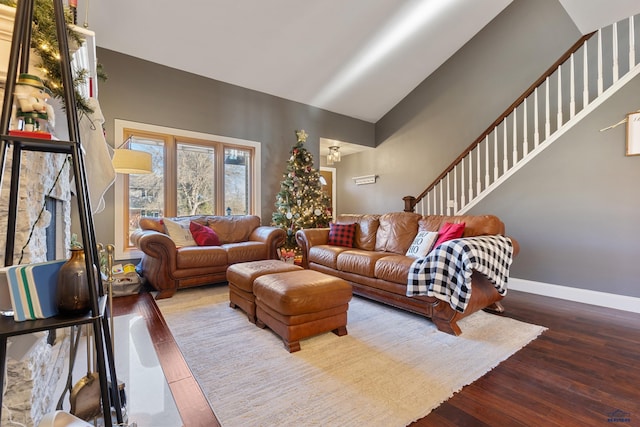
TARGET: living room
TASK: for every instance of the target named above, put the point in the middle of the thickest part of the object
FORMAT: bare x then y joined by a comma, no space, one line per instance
505,59
553,207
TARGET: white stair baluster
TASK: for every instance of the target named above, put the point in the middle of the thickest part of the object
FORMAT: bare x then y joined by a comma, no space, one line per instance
470,177
572,88
632,44
547,124
463,188
455,186
559,124
585,73
536,122
600,76
435,201
615,52
505,161
441,196
486,163
478,172
495,154
515,136
525,139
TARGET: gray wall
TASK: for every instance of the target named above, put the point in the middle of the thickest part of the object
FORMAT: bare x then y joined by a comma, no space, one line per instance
573,209
428,129
142,91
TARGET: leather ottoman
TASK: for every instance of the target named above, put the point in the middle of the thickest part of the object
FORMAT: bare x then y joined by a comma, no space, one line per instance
241,277
300,304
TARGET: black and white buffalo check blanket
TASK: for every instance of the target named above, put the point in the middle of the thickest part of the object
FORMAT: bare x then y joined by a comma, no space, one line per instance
445,273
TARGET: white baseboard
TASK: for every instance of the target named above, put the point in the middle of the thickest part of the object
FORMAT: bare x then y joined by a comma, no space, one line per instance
603,299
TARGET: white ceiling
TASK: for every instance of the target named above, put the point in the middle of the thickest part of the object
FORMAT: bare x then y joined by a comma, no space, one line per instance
357,57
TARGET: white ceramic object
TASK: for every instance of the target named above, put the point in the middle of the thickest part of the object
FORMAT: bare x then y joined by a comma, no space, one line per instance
62,419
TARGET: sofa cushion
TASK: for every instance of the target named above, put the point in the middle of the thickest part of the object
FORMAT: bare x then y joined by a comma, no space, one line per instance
394,268
231,229
341,234
179,232
449,231
366,229
245,251
396,231
326,255
422,244
203,235
200,256
358,261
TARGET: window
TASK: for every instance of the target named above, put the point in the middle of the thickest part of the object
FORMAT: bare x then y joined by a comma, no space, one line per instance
192,174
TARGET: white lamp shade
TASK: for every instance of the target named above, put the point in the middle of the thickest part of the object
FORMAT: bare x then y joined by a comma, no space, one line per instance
131,161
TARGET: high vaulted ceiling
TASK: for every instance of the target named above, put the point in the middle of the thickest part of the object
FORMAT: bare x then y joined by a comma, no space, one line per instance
354,57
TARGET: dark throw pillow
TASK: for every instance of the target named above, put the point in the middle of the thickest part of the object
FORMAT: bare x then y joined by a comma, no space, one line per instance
342,234
203,235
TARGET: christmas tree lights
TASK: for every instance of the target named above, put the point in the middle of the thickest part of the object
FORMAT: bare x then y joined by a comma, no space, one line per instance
301,203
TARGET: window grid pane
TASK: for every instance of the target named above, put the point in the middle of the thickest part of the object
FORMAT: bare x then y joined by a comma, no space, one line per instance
237,179
146,191
196,180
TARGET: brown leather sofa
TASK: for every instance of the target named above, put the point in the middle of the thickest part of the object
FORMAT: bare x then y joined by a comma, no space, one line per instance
378,269
168,268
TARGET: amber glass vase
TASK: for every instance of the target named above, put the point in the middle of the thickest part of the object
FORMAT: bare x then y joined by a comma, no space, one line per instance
72,293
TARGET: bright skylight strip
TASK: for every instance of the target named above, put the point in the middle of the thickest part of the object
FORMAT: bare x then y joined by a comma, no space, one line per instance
406,22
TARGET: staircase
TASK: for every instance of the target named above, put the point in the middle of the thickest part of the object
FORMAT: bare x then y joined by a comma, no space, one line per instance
591,71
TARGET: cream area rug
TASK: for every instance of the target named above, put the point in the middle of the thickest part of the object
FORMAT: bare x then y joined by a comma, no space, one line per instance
392,368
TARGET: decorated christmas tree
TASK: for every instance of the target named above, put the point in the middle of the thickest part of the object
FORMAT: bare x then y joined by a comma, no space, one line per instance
301,203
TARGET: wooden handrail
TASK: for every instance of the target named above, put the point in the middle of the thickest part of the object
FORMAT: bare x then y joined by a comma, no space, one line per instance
411,202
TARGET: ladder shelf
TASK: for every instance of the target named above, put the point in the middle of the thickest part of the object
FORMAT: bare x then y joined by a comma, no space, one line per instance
96,317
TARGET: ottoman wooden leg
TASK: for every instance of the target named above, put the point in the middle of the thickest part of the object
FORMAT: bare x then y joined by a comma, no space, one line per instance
242,300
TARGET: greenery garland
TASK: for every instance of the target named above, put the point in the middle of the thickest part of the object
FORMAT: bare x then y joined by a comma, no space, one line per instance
44,41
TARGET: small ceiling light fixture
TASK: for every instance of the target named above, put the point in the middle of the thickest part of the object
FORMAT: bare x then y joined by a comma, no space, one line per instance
334,155
128,161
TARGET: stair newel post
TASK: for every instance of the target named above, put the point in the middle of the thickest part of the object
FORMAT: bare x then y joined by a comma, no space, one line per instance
409,203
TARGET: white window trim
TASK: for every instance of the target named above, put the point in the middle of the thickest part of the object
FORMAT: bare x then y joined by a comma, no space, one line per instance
120,125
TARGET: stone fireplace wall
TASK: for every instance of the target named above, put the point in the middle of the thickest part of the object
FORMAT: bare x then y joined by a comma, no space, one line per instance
41,174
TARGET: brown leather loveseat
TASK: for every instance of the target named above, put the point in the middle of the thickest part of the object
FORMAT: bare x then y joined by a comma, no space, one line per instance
167,267
377,267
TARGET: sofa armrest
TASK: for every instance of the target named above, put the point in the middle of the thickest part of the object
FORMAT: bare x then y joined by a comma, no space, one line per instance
273,237
156,245
516,246
309,237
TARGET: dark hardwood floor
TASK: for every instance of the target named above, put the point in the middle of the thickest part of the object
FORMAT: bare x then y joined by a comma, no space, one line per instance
583,371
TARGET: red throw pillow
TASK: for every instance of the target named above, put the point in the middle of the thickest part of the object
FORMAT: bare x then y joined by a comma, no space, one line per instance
341,234
449,231
203,235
